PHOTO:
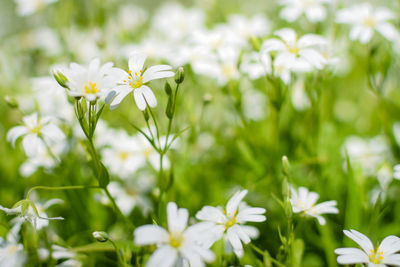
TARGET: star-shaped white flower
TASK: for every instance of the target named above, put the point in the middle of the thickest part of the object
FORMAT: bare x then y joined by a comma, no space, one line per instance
384,255
366,19
228,222
313,9
135,80
298,54
304,201
90,82
38,133
178,243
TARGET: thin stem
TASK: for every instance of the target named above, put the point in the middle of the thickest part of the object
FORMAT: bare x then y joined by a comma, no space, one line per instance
259,251
117,209
156,125
120,260
72,187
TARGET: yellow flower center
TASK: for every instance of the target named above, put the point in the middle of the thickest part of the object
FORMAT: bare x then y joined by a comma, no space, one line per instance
369,22
293,49
91,88
147,152
231,222
37,128
375,257
176,239
123,155
135,80
12,249
228,71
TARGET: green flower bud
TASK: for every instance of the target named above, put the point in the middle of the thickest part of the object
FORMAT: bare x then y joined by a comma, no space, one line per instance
168,89
285,166
11,101
60,78
100,236
179,75
207,98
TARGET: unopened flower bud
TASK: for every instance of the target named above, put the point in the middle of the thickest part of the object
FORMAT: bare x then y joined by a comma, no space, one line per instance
167,89
11,101
179,75
207,98
285,166
100,236
60,78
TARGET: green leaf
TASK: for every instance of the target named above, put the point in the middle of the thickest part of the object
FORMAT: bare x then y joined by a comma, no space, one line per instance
297,252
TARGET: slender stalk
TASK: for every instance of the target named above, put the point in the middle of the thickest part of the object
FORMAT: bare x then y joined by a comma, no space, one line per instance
259,251
117,209
72,187
120,260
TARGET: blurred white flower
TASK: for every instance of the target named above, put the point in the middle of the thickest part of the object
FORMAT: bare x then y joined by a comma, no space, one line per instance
255,26
178,243
227,65
132,194
182,21
382,256
28,7
366,154
396,171
35,213
253,65
38,133
11,253
47,158
366,19
303,201
314,10
254,104
300,99
228,222
135,80
51,98
90,82
294,53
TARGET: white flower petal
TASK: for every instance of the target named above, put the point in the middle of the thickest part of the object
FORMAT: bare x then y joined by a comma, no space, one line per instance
362,240
390,245
150,234
136,61
164,256
177,218
234,202
15,132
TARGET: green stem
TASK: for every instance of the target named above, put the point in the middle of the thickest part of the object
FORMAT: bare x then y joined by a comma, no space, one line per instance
72,187
116,208
259,251
120,260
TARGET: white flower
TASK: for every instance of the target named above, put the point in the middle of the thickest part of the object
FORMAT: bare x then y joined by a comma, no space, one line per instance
131,194
90,82
228,222
257,25
46,158
365,19
135,80
313,9
11,253
28,7
37,132
382,256
38,218
297,54
367,154
304,201
178,243
396,172
253,66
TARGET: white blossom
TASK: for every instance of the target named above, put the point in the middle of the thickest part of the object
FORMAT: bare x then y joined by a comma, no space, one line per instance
314,10
229,223
177,245
384,255
365,19
90,82
38,133
303,201
135,80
